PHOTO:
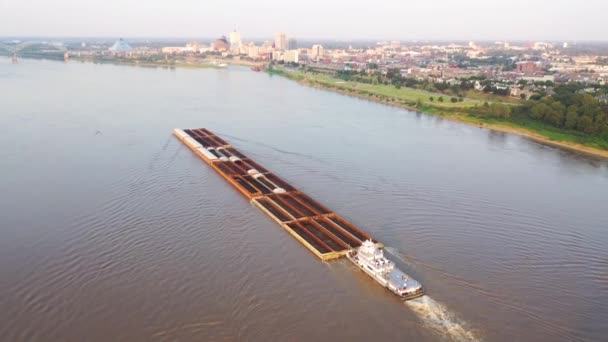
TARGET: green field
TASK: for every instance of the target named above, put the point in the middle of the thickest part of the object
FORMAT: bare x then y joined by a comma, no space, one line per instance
409,96
473,94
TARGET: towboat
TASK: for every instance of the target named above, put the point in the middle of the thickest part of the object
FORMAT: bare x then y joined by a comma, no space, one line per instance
370,259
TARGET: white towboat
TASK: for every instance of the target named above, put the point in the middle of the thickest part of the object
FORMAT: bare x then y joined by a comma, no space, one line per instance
372,261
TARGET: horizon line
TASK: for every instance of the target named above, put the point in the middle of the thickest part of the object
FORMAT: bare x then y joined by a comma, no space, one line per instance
376,39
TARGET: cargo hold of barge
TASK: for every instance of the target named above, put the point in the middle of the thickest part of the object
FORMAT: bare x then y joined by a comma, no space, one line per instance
323,232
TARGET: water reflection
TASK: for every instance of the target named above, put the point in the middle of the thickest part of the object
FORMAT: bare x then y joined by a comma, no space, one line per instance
498,138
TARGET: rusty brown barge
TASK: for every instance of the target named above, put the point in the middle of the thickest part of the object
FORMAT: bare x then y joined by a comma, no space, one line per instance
325,233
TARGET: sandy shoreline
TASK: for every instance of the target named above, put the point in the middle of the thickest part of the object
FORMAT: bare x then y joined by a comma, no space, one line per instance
571,146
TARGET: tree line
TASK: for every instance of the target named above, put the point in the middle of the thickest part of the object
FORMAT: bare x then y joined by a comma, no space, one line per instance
570,109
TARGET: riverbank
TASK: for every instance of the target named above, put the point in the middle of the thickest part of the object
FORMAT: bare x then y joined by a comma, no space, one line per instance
213,63
192,62
419,100
153,64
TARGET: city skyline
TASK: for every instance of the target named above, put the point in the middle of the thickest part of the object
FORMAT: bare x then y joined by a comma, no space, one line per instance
431,20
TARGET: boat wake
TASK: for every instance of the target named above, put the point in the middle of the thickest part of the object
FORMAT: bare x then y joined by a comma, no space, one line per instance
437,317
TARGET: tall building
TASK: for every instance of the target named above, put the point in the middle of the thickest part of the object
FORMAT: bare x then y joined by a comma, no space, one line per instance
235,40
292,44
280,41
529,67
291,56
253,51
316,51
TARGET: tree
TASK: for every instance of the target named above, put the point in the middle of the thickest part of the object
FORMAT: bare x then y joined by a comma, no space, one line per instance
440,99
411,82
393,74
465,85
555,117
455,89
570,109
558,106
501,91
536,97
500,110
454,99
600,123
441,86
431,99
539,111
585,124
571,117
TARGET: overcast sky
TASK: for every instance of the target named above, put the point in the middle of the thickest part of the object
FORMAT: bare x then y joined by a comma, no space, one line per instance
310,19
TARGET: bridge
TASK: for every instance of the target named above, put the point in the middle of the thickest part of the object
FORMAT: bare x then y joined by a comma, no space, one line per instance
14,49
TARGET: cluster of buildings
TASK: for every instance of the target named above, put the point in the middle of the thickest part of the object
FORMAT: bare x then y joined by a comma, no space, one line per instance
523,69
282,48
503,63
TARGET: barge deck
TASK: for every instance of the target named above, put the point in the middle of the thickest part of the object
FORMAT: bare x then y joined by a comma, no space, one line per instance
323,232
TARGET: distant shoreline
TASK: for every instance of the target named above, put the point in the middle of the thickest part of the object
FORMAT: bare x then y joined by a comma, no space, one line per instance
195,63
471,121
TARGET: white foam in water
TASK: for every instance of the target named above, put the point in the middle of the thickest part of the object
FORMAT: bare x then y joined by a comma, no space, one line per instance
436,316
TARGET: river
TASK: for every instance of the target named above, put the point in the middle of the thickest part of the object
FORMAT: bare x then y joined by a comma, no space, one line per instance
112,230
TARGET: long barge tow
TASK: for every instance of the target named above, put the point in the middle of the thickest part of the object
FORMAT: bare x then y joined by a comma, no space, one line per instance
325,233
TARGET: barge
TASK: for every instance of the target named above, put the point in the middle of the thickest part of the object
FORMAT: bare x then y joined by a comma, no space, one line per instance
325,233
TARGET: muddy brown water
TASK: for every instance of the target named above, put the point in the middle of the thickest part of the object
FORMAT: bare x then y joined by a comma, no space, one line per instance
112,230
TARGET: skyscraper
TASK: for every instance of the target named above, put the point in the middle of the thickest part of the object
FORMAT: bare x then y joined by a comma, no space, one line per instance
292,44
316,51
280,41
235,40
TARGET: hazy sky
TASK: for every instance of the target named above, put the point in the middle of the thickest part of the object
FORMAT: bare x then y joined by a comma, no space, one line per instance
330,19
